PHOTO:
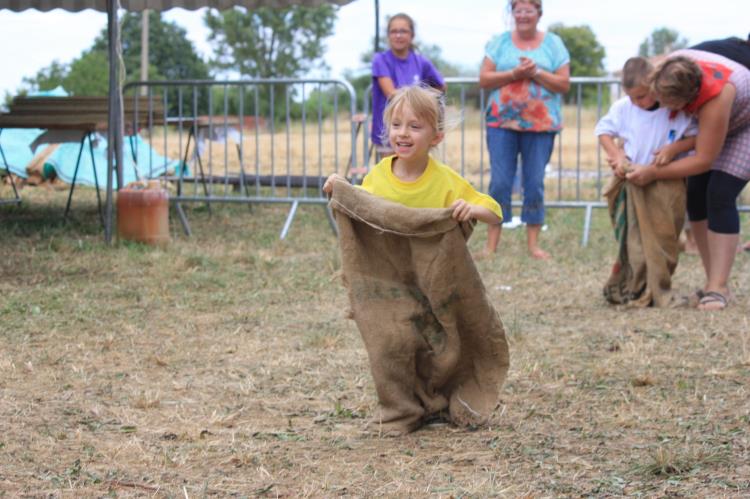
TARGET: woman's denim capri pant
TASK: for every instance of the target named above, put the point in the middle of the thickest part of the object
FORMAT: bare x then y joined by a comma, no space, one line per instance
535,149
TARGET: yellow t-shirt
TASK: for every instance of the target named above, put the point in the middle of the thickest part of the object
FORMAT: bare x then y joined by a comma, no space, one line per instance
438,187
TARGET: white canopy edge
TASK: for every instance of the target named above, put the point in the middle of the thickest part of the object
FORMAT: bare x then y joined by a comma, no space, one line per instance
139,5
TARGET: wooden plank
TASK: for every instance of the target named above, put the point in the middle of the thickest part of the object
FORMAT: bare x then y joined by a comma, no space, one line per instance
84,123
55,106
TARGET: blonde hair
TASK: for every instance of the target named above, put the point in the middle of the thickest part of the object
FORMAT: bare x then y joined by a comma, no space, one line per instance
536,3
677,78
426,103
636,72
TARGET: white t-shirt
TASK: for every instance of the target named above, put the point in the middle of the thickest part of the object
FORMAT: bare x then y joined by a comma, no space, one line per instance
643,132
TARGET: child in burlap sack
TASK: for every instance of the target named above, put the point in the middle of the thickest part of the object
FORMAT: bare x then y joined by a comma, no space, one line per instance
414,123
647,220
433,339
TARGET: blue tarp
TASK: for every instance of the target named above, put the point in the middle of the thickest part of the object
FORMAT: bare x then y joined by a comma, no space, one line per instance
149,163
15,141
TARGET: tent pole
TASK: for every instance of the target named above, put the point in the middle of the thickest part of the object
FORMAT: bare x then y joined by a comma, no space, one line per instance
377,28
114,121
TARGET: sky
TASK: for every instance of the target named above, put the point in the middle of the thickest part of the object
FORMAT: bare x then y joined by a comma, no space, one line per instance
31,40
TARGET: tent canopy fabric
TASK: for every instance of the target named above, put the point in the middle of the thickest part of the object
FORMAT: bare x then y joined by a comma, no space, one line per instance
139,5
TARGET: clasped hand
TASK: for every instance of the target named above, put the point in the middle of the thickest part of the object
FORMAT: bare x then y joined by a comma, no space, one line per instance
463,211
620,164
663,155
526,69
641,174
328,186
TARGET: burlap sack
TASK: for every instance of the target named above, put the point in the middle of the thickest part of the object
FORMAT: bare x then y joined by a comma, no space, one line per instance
433,339
647,222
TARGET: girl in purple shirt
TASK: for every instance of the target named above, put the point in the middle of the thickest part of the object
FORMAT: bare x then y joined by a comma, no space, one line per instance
397,67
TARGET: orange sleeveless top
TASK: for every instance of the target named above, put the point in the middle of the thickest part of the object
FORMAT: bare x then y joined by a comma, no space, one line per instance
715,76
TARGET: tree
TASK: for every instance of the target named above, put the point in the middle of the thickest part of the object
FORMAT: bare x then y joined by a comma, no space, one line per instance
586,53
46,78
435,55
268,42
88,75
171,57
661,41
586,56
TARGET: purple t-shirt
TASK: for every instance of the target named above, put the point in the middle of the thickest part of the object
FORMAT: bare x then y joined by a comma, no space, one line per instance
414,69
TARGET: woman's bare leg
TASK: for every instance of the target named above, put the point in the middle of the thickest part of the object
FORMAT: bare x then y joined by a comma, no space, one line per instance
723,250
532,242
700,235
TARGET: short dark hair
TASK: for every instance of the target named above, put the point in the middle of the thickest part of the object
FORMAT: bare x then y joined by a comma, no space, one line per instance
636,72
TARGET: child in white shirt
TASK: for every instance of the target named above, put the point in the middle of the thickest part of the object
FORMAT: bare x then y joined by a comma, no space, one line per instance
647,220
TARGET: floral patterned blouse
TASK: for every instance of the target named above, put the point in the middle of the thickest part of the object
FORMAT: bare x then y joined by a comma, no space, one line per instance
524,105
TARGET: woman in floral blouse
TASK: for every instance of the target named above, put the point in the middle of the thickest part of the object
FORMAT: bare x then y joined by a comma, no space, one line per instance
527,70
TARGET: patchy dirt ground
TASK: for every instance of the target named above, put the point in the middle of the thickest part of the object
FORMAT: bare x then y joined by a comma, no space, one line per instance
223,366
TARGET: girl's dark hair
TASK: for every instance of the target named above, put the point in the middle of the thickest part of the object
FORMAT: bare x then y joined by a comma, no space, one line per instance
409,20
405,17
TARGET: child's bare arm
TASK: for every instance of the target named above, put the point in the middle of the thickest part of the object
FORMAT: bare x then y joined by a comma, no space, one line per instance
328,186
664,155
464,211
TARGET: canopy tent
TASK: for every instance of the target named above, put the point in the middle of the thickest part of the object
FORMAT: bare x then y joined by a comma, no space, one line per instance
115,128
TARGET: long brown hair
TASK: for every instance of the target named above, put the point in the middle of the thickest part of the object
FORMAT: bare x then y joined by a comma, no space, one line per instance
677,78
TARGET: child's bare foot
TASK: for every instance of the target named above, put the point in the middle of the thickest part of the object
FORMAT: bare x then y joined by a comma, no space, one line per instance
539,254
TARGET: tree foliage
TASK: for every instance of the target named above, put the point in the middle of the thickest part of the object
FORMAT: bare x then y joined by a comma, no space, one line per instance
662,41
171,56
586,57
586,53
268,42
46,78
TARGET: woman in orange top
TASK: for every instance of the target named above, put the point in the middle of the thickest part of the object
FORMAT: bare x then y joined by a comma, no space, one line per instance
717,91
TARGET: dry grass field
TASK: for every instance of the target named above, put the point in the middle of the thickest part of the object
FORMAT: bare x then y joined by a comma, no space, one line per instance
223,366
